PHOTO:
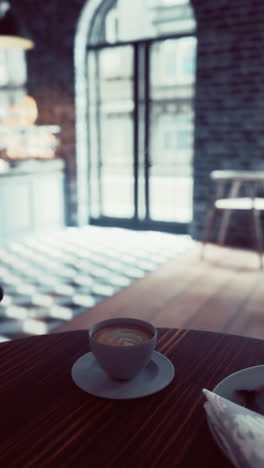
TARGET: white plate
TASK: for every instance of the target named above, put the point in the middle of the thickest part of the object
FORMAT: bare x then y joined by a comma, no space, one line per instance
90,377
249,378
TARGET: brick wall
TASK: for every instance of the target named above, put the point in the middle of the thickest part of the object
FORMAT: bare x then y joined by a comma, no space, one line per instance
229,101
229,91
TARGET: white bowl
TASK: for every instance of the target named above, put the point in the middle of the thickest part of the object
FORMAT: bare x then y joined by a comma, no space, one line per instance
249,378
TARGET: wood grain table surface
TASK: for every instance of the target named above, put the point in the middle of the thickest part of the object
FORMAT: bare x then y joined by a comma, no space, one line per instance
47,421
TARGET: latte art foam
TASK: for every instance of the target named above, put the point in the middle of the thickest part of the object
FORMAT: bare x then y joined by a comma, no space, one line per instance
122,335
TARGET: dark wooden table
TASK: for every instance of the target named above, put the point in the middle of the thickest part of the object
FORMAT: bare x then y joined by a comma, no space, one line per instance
47,421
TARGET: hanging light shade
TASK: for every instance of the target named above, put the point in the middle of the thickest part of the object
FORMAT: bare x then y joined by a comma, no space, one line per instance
12,33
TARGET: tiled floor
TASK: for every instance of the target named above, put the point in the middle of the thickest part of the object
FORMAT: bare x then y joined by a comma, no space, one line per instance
52,278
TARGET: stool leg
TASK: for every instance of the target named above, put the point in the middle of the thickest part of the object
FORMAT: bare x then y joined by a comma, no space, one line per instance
223,226
208,229
258,233
234,190
220,188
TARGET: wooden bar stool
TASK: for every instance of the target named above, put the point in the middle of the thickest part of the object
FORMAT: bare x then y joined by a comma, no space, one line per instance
232,202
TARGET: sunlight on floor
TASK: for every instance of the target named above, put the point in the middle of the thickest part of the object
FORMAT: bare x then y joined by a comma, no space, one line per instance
52,278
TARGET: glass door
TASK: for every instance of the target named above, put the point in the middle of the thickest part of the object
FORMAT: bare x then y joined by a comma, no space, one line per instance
171,129
111,131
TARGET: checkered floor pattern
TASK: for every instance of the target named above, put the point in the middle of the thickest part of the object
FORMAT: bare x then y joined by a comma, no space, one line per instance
50,279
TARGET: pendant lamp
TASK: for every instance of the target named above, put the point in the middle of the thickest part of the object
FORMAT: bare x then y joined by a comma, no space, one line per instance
12,33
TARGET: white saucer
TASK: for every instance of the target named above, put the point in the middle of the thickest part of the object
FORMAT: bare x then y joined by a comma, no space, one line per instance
88,376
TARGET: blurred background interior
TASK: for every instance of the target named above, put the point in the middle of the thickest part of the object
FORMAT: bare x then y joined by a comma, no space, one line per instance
112,115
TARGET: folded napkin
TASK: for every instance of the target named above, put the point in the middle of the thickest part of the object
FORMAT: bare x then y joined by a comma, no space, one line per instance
238,430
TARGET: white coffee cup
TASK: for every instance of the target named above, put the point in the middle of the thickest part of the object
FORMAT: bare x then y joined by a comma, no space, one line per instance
123,362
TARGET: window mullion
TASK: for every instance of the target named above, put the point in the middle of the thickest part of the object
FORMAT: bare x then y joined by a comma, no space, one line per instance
136,129
99,132
147,126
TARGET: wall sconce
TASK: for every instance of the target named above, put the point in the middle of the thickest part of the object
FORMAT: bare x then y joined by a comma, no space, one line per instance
12,33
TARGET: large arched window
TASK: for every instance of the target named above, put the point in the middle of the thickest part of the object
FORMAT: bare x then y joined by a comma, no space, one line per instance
135,87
